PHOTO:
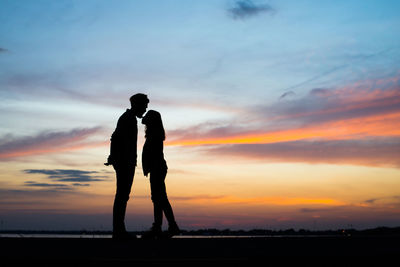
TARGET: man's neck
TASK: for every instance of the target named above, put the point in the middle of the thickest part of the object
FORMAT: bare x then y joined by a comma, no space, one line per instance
131,111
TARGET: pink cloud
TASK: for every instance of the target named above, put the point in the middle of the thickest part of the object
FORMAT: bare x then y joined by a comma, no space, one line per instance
47,142
365,109
371,152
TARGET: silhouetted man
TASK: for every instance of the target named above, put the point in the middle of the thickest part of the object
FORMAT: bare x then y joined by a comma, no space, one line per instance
123,156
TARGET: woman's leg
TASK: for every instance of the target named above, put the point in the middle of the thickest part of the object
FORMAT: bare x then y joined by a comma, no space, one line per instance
160,199
155,197
169,214
166,205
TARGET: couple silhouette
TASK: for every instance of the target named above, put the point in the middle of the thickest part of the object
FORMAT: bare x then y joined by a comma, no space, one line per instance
123,157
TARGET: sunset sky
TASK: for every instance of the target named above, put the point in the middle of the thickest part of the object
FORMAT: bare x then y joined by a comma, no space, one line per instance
278,114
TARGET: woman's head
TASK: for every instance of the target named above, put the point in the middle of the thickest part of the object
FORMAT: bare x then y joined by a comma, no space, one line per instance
154,125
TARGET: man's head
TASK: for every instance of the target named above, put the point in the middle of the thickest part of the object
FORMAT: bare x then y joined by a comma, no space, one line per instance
139,104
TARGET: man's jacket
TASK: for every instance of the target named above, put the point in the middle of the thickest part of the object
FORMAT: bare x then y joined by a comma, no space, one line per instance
123,150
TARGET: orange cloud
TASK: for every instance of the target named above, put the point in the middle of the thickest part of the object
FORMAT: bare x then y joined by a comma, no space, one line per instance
380,125
357,111
357,124
280,201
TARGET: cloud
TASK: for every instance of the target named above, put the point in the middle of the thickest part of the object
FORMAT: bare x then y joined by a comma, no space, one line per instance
306,210
47,142
72,86
280,201
67,85
31,195
55,199
358,100
205,130
287,94
371,201
36,195
3,50
391,199
75,176
365,109
197,198
32,183
320,92
372,152
246,8
353,60
64,180
235,200
79,184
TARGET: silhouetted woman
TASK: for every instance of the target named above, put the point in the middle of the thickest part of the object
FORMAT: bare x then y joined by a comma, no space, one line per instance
153,163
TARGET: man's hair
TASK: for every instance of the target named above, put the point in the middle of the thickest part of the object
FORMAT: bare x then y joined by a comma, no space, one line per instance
139,99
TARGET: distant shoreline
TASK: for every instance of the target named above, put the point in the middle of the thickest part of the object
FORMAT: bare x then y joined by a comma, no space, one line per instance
379,231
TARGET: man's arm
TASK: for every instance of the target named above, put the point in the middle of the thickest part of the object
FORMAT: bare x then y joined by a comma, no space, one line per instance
114,143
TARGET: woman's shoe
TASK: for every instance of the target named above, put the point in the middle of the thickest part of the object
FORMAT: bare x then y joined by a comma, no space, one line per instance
154,233
173,230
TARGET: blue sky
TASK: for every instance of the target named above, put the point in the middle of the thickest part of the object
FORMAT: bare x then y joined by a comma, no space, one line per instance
194,52
214,69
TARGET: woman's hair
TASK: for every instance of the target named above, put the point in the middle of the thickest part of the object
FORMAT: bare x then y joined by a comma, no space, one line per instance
154,125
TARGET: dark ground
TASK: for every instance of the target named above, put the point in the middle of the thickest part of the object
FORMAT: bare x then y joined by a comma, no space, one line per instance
263,251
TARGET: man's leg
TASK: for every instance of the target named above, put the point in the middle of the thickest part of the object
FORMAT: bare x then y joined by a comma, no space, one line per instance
158,215
124,183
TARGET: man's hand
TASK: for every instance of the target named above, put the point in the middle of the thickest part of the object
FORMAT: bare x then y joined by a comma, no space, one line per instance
109,161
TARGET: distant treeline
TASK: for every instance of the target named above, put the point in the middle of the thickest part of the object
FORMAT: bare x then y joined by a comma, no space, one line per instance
292,232
392,231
